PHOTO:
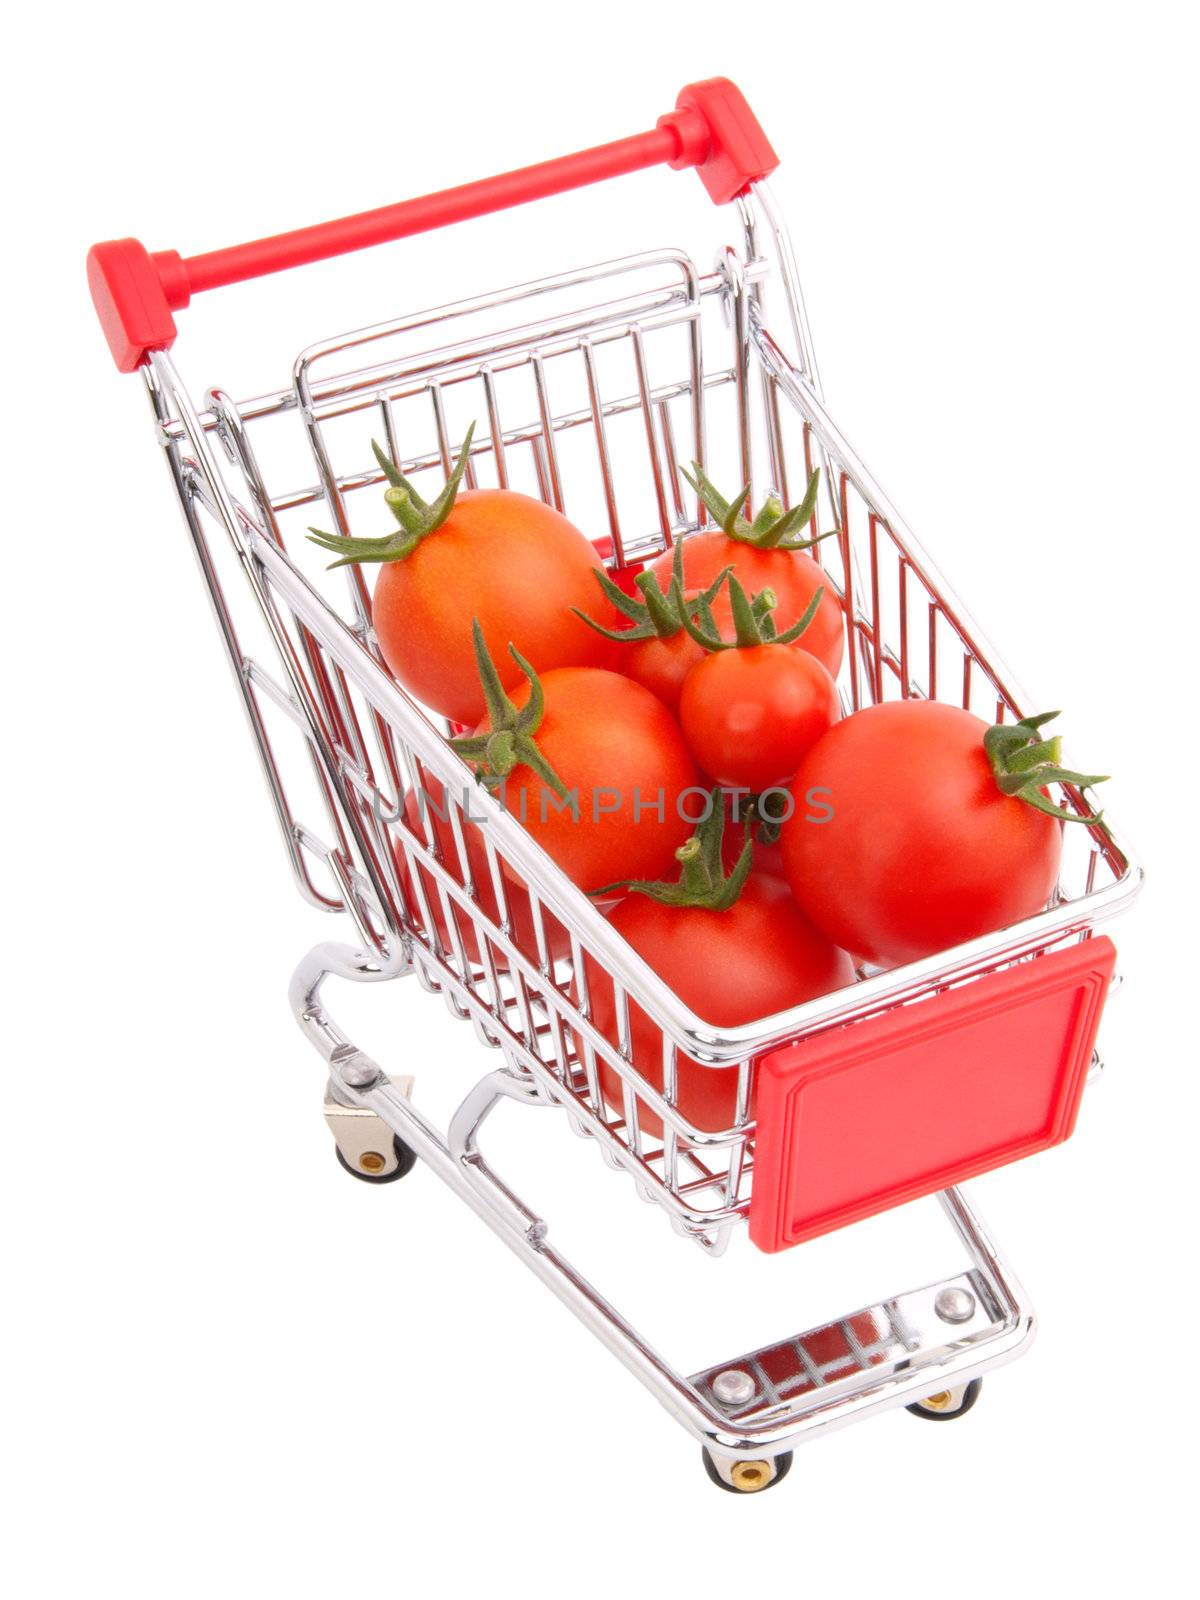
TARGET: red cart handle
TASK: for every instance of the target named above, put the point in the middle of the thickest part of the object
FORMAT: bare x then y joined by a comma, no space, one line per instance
712,129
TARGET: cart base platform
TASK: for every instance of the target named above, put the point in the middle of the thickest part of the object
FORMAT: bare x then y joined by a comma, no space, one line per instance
924,1348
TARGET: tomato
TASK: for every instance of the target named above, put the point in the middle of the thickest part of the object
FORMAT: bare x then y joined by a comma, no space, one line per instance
767,553
508,559
921,848
621,766
752,708
512,562
793,578
433,805
657,651
731,967
751,715
661,665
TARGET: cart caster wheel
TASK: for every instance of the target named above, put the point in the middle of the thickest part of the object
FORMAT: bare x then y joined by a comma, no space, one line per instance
406,1160
947,1404
749,1477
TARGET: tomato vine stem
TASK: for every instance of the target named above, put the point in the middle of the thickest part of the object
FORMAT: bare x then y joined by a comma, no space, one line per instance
658,614
509,742
753,623
417,518
772,528
702,881
1023,763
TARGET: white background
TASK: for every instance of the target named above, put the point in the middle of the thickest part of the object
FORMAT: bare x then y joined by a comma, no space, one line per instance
228,1368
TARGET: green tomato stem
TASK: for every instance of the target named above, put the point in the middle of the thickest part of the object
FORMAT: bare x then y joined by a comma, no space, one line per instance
702,880
772,528
416,518
509,742
1023,764
657,615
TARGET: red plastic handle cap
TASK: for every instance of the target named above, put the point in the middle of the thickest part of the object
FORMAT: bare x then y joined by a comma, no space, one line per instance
738,153
127,286
869,1116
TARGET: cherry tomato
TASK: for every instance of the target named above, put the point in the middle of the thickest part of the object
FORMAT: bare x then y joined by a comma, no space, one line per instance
921,850
623,760
657,650
755,958
750,715
517,565
661,665
512,563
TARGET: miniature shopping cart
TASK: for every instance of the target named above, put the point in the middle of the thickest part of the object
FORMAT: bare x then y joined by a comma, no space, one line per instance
588,388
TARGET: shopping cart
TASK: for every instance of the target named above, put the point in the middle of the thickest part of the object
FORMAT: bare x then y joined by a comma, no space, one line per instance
589,387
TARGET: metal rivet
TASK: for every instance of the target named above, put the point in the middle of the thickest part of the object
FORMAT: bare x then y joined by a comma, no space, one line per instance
360,1072
372,1161
750,1475
955,1304
734,1387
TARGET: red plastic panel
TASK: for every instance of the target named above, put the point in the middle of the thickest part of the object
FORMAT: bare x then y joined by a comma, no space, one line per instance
871,1115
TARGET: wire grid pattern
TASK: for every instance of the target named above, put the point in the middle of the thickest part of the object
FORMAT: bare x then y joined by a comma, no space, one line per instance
879,1336
590,408
798,1365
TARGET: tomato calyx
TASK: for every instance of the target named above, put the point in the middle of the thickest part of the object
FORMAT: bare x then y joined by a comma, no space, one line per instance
509,743
753,623
1023,763
658,614
702,881
771,528
417,518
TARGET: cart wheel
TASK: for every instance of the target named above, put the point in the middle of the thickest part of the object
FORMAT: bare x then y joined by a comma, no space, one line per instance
406,1160
947,1404
749,1477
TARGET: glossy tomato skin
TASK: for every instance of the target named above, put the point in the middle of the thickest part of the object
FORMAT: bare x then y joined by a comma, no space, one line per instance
750,716
731,967
513,562
622,754
520,912
661,665
794,576
922,851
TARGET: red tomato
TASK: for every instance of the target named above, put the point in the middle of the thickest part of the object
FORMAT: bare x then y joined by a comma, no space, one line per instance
794,577
731,967
621,754
922,850
517,565
750,715
661,665
656,651
522,930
